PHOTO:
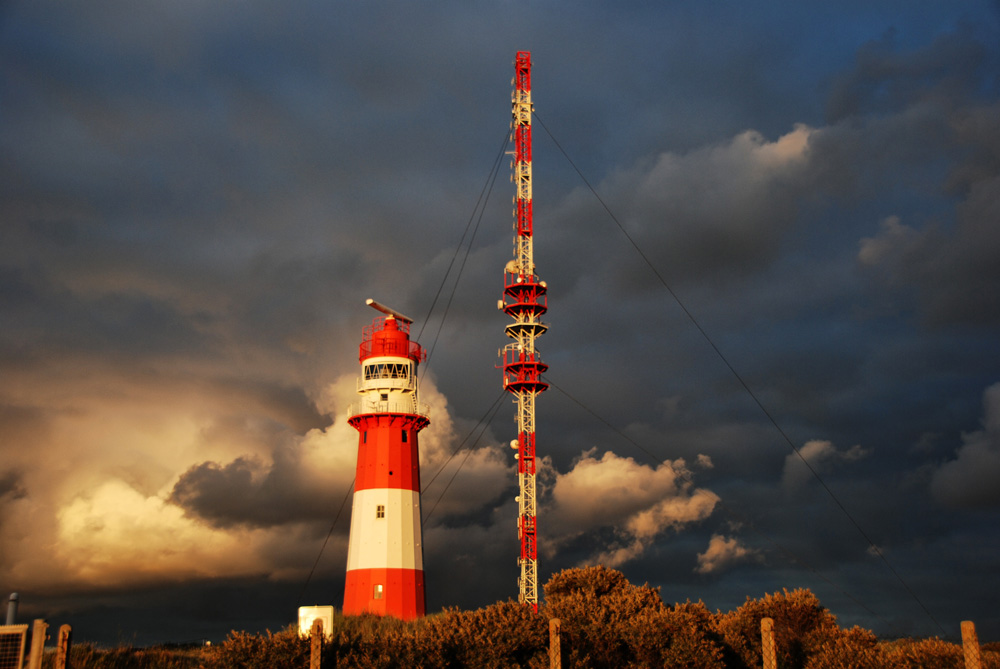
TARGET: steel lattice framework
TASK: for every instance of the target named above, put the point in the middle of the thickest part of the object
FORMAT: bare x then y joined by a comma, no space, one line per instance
524,300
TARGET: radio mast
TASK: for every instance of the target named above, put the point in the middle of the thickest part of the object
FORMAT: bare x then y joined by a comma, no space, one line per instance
524,301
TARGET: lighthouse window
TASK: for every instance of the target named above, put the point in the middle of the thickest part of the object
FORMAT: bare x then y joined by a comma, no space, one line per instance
387,370
404,436
380,511
378,591
364,437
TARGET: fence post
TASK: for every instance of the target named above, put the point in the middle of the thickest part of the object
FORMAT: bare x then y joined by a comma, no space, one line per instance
970,644
316,644
62,649
37,644
767,643
555,644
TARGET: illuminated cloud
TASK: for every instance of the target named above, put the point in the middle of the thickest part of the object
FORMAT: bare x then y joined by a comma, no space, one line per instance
726,203
893,240
114,451
636,501
473,480
817,455
722,553
115,535
300,479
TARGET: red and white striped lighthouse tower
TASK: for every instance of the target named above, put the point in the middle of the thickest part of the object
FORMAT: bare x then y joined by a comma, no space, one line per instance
385,564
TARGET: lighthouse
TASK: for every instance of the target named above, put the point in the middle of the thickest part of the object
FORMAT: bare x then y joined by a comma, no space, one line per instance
385,564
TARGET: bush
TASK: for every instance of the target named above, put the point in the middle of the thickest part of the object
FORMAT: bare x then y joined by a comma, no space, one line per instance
372,641
801,626
87,656
241,650
925,654
606,622
592,582
855,648
678,636
597,607
506,634
503,635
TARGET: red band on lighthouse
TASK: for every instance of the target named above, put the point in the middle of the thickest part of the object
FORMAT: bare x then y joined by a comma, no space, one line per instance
385,567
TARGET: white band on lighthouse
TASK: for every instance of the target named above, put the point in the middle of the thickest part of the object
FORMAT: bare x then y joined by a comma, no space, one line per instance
388,535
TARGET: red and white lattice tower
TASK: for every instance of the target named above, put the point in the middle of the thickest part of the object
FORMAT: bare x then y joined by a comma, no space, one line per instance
385,564
524,301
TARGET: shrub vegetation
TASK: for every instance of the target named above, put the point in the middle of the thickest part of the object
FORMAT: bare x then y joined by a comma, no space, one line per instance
606,622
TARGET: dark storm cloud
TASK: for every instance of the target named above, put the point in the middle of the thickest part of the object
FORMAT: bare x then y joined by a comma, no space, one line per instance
718,209
886,79
10,486
247,492
934,100
953,272
730,208
970,479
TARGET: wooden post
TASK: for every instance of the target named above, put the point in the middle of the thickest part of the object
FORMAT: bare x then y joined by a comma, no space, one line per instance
970,644
316,645
37,644
555,644
62,650
767,643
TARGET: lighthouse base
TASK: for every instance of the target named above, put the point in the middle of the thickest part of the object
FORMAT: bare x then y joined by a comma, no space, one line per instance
386,592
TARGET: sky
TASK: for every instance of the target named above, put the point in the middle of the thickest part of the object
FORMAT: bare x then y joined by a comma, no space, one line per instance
196,199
